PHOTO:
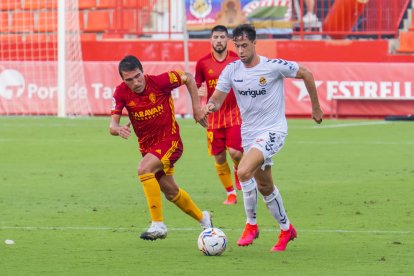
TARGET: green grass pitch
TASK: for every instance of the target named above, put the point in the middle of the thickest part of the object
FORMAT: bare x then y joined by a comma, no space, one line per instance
71,201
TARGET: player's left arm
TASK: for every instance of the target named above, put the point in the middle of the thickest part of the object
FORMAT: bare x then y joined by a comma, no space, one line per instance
307,76
188,80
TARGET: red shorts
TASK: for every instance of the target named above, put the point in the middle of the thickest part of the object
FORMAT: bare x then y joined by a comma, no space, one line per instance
220,139
168,152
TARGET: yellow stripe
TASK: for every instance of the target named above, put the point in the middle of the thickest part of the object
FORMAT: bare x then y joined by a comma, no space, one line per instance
173,127
165,159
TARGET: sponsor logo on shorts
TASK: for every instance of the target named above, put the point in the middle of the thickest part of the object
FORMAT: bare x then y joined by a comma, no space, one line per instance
271,143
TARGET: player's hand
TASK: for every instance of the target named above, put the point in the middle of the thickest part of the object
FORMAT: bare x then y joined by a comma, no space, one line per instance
209,108
200,117
317,115
202,91
125,131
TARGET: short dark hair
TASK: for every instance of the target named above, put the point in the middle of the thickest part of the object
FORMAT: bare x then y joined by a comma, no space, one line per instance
129,63
219,28
244,30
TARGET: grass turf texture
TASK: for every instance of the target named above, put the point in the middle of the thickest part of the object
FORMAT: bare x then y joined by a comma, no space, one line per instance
71,201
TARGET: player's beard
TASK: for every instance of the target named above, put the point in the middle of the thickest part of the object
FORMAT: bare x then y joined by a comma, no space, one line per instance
219,51
247,60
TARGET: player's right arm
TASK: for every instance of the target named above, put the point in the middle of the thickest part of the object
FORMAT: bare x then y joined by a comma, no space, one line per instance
116,129
118,105
215,102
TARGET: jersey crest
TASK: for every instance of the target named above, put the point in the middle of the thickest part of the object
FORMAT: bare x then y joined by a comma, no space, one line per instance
152,97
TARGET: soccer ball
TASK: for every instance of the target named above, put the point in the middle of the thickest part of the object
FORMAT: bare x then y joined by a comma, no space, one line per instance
212,242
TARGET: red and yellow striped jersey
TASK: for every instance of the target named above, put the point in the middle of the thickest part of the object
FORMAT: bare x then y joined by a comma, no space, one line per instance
208,70
151,112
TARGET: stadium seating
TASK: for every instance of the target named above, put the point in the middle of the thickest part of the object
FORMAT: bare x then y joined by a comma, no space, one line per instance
406,42
412,21
136,3
106,19
10,38
97,21
47,22
10,5
37,5
86,4
107,4
407,38
126,21
22,22
4,21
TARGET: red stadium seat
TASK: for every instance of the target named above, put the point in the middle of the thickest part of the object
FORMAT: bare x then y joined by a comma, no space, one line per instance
22,22
412,21
406,42
136,3
6,5
88,37
37,5
86,4
98,21
4,22
127,21
130,3
41,38
81,21
47,22
108,4
10,39
112,36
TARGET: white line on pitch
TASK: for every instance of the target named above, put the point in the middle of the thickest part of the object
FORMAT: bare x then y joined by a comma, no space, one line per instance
351,143
353,124
323,126
103,228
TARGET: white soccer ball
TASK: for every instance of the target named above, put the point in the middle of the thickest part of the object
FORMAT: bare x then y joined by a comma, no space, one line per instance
212,242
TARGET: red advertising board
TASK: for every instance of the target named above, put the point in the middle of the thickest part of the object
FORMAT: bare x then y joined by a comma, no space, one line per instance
345,89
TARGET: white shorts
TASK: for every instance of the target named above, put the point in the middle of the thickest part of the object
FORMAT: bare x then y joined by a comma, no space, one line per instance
269,143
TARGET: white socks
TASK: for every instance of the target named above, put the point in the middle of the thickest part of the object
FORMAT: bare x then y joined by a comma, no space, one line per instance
250,200
275,205
273,202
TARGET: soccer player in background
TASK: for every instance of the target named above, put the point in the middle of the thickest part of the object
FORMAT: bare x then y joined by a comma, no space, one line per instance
223,132
257,82
150,108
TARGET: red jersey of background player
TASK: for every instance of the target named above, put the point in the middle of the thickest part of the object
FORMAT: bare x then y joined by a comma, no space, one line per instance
208,69
151,112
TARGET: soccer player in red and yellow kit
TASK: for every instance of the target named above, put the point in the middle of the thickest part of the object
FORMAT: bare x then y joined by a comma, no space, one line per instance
150,108
223,132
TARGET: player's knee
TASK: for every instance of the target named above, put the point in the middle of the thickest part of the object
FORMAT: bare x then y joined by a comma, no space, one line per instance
170,192
235,154
144,170
220,158
244,174
265,190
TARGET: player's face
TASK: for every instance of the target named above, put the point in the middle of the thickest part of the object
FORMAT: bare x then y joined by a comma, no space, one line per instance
219,41
135,80
245,49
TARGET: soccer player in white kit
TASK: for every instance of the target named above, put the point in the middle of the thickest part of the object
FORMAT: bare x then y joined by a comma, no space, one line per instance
257,82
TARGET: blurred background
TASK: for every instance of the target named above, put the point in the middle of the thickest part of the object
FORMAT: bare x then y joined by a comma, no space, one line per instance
60,58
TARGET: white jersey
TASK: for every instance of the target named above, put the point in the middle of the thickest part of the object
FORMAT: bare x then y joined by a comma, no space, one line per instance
259,93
